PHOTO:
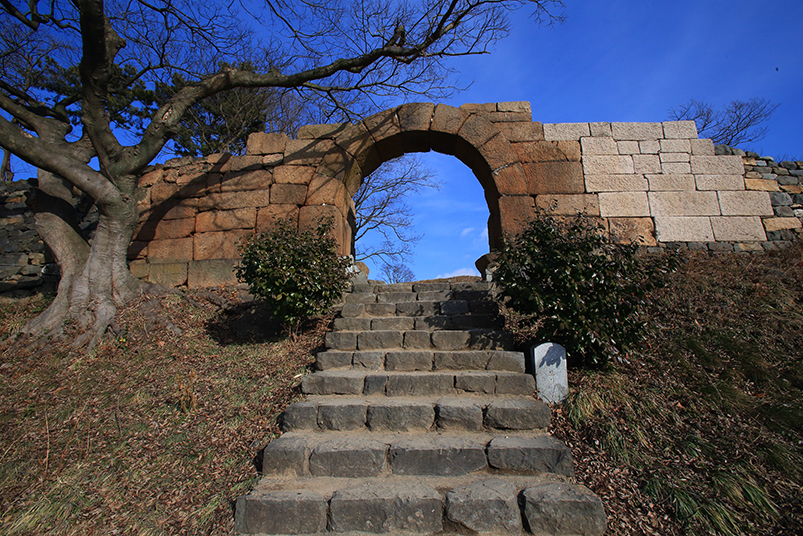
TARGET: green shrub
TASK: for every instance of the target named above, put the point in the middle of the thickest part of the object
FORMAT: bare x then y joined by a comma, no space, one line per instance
297,274
577,288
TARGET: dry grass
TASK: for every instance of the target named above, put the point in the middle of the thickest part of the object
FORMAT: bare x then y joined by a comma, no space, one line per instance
703,432
152,433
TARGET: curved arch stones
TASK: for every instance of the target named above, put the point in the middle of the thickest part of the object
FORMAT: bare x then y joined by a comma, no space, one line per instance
650,182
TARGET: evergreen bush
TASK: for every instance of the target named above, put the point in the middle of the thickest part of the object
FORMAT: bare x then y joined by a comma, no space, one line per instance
577,288
297,274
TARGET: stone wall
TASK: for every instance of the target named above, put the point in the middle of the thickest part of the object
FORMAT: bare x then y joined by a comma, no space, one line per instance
22,252
654,183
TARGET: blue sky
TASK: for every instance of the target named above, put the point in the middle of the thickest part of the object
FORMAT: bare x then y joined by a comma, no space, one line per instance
616,60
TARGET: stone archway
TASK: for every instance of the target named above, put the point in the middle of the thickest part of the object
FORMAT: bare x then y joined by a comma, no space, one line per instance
421,127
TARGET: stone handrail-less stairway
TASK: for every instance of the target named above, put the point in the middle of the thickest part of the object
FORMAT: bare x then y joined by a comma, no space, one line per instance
418,421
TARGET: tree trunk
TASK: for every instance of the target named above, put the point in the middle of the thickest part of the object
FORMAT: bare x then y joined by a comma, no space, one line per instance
95,279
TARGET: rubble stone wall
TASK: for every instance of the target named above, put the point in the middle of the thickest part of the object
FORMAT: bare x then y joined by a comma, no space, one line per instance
653,183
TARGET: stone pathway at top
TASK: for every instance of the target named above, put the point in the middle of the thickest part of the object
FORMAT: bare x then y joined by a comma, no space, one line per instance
419,420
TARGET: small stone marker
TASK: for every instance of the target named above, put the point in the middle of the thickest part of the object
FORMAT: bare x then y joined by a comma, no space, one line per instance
549,366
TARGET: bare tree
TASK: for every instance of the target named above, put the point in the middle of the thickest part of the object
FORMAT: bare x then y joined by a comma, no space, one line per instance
343,54
738,123
381,209
397,273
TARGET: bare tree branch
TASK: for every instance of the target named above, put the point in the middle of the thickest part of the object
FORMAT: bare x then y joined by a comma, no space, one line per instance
738,123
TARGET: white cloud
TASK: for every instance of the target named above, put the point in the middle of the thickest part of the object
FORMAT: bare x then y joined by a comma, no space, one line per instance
466,231
459,271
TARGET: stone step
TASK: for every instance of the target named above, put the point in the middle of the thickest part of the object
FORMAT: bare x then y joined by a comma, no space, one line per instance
466,413
421,323
405,506
474,339
439,383
361,305
355,454
422,360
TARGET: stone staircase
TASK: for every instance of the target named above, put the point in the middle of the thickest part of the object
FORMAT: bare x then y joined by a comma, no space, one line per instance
419,420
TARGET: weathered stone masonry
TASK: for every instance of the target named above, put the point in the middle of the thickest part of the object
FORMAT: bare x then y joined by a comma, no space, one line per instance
655,183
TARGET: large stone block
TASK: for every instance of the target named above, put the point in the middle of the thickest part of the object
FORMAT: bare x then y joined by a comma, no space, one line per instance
288,194
461,360
616,183
437,455
521,131
542,151
332,383
637,131
375,340
565,131
632,230
277,512
623,204
232,200
779,224
477,131
679,146
683,229
607,164
326,131
451,340
486,506
554,178
387,508
266,143
166,229
719,182
671,182
300,416
447,119
680,129
224,220
533,454
342,415
372,360
239,181
738,229
293,174
458,414
599,146
745,203
717,165
628,147
674,157
675,168
306,152
211,273
400,416
702,147
351,457
504,361
562,509
409,360
394,322
518,414
417,384
510,180
688,203
568,204
172,274
646,163
219,245
515,384
285,455
267,217
476,382
171,250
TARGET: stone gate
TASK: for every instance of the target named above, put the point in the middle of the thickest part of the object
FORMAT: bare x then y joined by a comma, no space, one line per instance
655,183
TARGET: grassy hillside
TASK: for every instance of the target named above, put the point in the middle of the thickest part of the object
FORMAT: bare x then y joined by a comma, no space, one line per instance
159,429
